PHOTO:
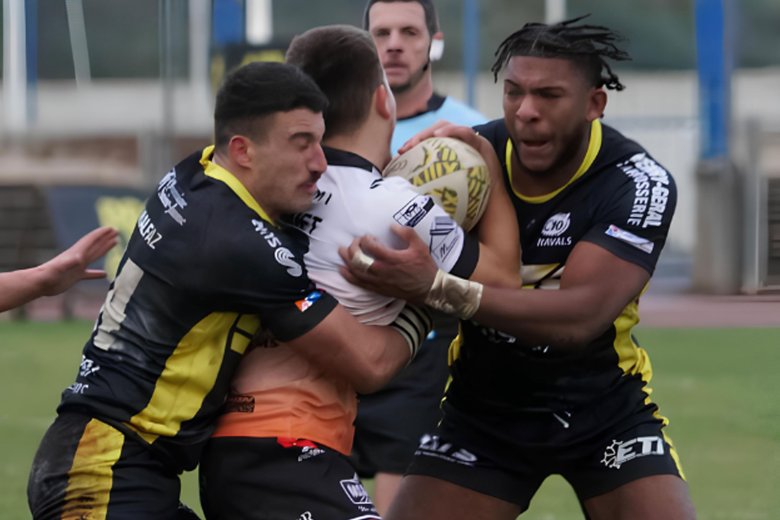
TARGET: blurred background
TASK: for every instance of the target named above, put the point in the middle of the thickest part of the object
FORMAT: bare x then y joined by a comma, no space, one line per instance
100,98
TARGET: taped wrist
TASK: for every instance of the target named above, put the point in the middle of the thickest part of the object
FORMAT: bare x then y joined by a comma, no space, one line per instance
414,323
453,295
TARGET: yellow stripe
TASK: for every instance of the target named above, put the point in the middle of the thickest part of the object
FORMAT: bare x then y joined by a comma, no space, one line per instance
633,360
594,145
215,171
91,476
673,451
190,373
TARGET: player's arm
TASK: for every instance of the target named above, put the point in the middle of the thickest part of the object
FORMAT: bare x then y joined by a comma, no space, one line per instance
497,230
59,273
365,356
595,287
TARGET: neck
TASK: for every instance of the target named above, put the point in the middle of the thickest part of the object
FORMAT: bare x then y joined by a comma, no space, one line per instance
415,99
371,141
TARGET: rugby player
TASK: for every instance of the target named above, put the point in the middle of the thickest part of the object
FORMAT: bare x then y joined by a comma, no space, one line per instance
550,379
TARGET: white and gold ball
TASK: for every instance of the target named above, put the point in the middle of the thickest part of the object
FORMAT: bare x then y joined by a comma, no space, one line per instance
452,172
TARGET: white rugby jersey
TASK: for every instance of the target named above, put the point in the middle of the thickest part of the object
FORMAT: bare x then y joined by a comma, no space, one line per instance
352,200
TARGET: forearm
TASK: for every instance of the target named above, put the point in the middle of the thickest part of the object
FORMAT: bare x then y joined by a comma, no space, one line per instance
413,324
365,356
383,354
566,318
498,231
20,287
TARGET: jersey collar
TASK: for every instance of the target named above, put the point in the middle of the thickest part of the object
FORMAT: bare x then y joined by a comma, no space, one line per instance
336,157
435,102
594,145
215,171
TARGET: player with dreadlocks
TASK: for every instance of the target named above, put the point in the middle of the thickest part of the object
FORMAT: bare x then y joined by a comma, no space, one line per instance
550,379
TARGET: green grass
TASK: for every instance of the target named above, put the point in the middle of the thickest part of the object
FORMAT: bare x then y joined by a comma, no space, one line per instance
719,387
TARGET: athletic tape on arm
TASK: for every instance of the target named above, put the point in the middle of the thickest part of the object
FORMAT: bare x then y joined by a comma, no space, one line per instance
454,295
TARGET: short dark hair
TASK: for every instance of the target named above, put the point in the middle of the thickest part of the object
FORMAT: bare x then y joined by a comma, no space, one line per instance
260,89
431,20
343,61
587,46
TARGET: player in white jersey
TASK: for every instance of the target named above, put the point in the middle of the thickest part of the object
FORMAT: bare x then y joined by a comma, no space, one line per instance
353,199
280,447
390,422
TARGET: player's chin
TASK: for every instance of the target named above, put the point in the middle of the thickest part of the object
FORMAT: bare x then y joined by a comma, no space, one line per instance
536,164
302,201
537,157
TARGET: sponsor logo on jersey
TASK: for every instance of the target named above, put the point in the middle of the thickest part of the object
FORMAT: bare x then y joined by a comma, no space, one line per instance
414,211
651,196
553,229
171,198
629,238
444,237
355,491
307,302
282,255
620,452
433,446
306,222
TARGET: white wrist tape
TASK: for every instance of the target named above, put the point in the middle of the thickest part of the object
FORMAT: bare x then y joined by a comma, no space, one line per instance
454,295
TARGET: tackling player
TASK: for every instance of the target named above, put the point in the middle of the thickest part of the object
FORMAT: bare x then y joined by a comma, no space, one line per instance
281,446
207,268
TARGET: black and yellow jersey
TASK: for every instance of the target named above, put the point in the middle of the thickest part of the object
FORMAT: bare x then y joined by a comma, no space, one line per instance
620,199
204,271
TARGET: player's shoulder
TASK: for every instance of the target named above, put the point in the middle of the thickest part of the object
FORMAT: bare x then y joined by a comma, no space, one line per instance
625,155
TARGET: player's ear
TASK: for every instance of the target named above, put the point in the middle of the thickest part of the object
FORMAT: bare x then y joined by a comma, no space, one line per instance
241,150
597,102
384,102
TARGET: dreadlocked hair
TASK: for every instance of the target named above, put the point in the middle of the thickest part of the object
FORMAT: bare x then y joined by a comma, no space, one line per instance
587,46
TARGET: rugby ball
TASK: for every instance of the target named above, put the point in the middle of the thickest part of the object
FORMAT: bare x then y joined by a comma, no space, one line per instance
452,172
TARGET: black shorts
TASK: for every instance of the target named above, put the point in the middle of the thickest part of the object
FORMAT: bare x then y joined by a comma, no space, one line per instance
461,452
390,422
85,468
269,479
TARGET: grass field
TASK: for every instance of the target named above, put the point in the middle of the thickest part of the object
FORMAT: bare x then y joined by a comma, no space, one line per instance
719,387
